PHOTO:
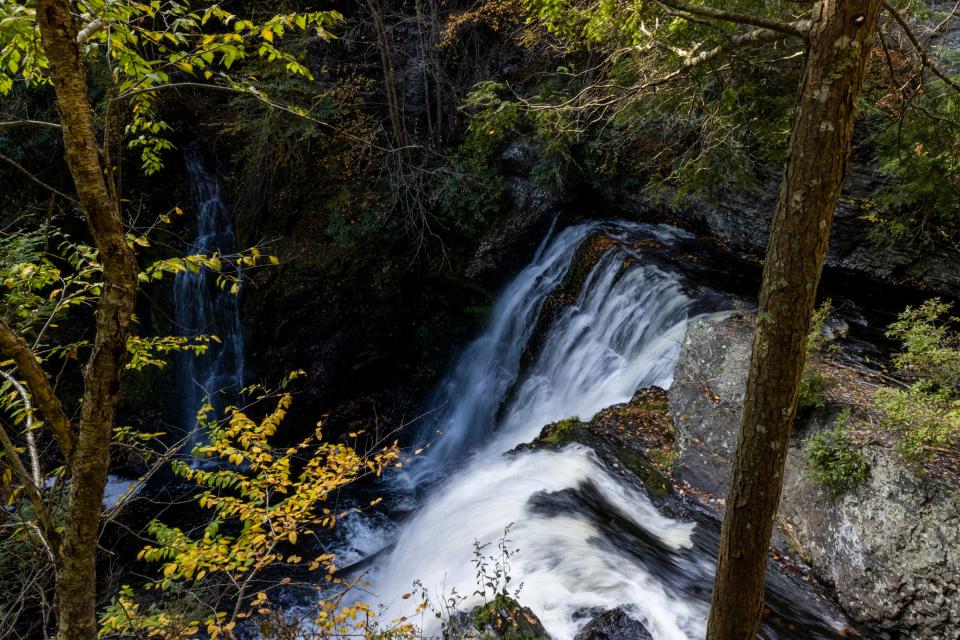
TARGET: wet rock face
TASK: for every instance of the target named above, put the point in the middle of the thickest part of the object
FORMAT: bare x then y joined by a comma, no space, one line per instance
740,220
584,260
615,624
891,547
508,242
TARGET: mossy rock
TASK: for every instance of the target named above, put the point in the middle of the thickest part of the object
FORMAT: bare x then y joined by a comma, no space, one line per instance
501,618
636,436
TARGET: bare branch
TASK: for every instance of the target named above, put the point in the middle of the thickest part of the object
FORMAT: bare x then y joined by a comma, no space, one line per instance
266,101
925,59
758,36
47,529
111,513
31,123
793,29
94,27
28,428
40,388
19,167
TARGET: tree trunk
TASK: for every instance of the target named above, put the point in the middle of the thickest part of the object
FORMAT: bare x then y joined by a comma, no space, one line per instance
76,573
818,154
389,80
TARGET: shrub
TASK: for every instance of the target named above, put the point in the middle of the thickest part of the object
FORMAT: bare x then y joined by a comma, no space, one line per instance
927,413
814,384
834,459
931,344
263,498
928,418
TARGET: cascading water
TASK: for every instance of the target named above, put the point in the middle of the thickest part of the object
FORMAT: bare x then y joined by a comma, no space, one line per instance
203,308
623,333
586,539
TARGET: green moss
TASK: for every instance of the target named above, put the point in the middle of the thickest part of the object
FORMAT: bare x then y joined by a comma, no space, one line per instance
664,459
649,475
562,432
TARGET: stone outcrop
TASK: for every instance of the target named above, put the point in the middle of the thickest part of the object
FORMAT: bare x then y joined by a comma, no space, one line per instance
614,624
890,547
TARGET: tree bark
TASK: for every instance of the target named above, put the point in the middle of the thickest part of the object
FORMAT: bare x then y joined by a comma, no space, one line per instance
76,573
819,150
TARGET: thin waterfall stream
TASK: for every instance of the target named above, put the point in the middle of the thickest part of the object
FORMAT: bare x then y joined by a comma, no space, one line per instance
203,308
586,540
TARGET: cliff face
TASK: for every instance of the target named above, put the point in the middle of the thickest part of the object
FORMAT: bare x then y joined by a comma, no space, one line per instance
890,547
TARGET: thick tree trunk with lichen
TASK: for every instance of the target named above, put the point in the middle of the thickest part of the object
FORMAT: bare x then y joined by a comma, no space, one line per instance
819,151
89,460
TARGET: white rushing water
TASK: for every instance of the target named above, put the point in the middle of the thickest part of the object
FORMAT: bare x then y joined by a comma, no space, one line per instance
622,333
203,308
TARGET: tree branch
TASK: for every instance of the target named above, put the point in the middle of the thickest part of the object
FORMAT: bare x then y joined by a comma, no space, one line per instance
28,428
89,30
48,530
793,29
921,51
40,388
19,167
267,102
757,36
33,123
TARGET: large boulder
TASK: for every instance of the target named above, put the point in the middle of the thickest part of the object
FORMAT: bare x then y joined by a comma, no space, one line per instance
614,624
890,547
634,439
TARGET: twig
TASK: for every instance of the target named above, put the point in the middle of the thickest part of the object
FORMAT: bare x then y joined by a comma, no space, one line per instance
35,179
921,51
31,439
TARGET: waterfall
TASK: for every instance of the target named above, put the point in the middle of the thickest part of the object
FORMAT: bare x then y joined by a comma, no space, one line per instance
586,540
623,333
203,308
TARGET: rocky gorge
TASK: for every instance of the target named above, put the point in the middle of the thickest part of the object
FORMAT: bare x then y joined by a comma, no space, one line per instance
886,552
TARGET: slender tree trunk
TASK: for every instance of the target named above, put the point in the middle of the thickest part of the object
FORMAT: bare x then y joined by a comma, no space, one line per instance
76,571
818,154
389,81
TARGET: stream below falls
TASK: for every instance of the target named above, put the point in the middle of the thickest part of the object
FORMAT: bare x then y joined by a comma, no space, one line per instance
585,539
